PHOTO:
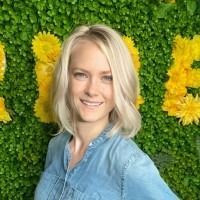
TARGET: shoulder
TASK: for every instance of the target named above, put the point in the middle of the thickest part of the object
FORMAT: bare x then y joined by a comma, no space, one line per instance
133,160
126,150
139,175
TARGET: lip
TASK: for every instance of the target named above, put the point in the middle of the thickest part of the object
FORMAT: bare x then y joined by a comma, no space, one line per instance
92,104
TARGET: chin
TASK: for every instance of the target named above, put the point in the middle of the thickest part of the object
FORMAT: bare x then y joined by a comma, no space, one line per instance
92,118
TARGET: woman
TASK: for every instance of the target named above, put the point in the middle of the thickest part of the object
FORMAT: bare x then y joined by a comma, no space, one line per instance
93,156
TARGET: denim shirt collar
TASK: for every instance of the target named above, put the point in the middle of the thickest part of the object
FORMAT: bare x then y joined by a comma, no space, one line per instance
101,138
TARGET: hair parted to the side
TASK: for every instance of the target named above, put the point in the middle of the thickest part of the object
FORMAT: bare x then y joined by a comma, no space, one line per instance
124,116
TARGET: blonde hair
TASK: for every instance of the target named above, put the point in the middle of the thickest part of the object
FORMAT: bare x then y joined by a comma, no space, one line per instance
124,116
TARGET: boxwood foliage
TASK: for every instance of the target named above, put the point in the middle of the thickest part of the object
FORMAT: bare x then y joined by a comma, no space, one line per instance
152,24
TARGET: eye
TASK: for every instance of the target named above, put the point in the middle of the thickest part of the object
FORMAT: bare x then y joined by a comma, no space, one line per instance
107,78
80,76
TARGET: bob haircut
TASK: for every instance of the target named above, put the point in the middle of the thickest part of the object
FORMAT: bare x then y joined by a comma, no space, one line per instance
124,116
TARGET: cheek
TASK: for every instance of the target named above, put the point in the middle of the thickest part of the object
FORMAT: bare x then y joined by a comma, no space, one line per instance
109,94
76,88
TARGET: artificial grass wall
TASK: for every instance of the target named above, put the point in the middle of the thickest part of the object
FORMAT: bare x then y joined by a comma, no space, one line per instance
153,25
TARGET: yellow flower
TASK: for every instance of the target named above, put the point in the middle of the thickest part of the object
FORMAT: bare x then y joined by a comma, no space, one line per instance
139,101
182,51
195,44
43,110
193,78
171,104
4,115
133,51
175,88
181,75
178,72
189,110
44,73
46,47
45,88
177,82
44,70
2,62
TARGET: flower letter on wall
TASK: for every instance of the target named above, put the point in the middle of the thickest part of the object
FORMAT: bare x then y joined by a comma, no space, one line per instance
46,48
177,101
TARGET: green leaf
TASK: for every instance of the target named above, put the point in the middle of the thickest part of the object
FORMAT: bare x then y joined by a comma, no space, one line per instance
191,6
23,36
163,10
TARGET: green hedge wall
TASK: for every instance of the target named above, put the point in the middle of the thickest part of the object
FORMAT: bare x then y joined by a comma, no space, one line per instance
153,24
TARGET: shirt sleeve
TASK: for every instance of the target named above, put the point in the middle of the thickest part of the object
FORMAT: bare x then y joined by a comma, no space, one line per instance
142,181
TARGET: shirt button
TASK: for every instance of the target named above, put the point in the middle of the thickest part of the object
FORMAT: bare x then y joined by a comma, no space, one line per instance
90,144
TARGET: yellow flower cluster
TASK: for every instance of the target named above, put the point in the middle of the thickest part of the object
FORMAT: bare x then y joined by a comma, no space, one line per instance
46,48
177,101
4,115
136,61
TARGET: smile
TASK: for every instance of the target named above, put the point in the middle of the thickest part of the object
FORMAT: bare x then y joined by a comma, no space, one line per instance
91,103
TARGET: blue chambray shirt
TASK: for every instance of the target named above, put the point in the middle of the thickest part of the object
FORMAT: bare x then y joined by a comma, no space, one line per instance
111,169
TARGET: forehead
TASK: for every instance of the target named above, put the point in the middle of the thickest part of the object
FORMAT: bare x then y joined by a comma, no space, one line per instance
87,55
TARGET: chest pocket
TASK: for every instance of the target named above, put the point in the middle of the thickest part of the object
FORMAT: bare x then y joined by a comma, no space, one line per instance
47,184
50,188
77,195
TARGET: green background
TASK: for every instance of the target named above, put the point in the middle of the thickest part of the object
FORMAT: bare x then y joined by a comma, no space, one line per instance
153,24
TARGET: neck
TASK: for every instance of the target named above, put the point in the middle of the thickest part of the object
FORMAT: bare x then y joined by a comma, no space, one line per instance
85,133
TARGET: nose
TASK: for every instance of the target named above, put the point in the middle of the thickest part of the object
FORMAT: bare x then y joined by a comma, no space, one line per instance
92,88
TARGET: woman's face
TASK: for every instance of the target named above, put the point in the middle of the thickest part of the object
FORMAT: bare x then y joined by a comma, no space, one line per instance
91,83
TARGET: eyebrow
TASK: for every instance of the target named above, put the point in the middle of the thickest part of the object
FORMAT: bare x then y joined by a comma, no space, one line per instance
106,72
84,70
